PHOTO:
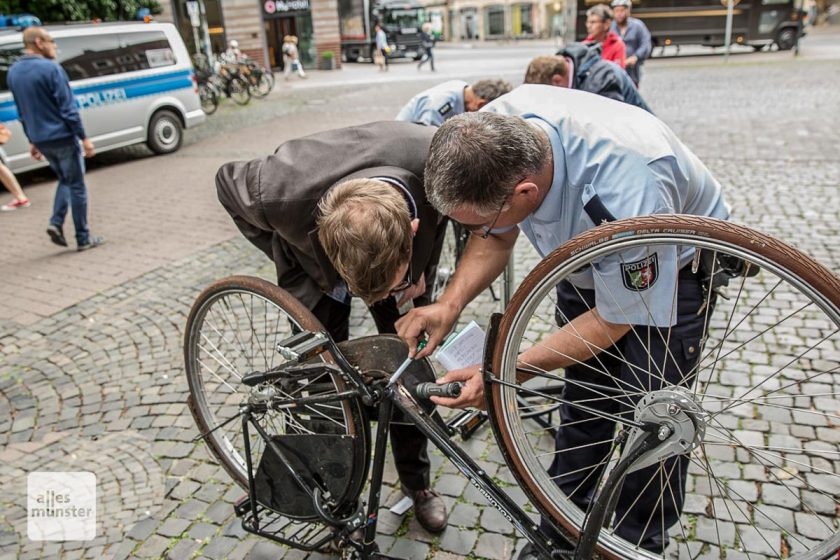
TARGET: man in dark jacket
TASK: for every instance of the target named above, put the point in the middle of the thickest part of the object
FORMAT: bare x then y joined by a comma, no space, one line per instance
47,111
343,213
578,66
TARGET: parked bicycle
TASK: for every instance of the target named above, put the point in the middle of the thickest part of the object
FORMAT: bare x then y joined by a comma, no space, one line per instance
283,408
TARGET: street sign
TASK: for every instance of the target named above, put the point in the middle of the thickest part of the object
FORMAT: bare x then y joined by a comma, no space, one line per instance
193,11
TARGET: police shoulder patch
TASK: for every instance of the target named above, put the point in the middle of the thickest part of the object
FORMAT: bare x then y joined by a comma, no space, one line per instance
640,275
445,109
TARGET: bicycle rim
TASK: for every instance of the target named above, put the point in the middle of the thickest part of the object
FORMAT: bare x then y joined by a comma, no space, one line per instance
233,329
764,478
239,92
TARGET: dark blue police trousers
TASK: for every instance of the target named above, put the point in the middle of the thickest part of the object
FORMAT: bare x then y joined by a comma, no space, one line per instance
646,508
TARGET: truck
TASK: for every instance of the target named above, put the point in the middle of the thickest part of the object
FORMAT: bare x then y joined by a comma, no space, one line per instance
401,20
756,23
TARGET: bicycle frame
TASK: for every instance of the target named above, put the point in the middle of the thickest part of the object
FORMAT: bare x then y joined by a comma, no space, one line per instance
388,399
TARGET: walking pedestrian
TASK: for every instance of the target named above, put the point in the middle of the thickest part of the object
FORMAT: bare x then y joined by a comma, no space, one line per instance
598,22
291,57
428,43
48,113
636,37
380,57
9,180
444,101
343,213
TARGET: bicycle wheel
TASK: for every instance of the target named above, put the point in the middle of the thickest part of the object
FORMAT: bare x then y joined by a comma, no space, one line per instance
209,100
454,244
260,83
237,89
233,329
754,423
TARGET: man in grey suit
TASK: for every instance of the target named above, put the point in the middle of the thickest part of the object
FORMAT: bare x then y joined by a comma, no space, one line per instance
344,213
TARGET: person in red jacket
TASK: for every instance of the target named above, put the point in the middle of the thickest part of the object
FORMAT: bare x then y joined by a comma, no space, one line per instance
598,21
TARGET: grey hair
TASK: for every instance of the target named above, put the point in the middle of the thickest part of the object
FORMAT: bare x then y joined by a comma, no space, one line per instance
601,10
476,159
489,90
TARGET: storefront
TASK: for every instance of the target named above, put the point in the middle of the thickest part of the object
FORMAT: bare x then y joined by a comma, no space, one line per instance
215,25
288,17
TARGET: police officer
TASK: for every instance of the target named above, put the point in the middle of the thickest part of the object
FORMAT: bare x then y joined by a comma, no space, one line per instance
556,162
444,101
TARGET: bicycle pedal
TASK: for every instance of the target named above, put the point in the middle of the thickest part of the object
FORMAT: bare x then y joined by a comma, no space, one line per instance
466,423
302,346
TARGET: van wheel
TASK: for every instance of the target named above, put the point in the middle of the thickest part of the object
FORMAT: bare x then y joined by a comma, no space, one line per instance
165,132
786,38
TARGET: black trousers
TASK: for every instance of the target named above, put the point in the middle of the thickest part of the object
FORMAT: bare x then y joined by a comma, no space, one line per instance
644,507
408,444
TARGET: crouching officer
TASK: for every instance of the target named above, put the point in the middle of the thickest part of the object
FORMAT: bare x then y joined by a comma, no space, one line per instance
344,213
433,106
554,163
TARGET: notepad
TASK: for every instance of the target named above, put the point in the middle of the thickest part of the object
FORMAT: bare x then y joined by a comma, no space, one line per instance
462,349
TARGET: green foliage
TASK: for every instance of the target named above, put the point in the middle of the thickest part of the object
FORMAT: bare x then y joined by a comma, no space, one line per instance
56,11
328,55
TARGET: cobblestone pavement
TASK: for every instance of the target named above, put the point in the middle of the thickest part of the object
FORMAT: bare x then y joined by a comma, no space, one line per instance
100,386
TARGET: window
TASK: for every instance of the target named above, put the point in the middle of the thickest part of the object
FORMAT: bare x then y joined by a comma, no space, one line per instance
107,54
522,19
495,21
8,55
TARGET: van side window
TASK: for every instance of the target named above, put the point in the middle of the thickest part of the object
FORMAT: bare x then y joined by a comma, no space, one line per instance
112,53
147,49
89,56
8,56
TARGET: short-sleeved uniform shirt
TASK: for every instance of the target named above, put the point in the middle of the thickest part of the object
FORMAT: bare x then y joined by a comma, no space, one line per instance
433,106
637,167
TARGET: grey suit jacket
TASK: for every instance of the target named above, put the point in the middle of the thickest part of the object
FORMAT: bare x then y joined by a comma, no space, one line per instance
274,200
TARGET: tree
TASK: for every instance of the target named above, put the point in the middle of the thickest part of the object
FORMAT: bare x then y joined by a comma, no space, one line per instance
54,11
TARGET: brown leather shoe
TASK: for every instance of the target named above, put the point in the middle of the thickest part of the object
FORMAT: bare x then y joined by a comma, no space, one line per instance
430,510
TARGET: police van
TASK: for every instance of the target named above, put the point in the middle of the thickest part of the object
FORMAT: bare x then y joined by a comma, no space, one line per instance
133,83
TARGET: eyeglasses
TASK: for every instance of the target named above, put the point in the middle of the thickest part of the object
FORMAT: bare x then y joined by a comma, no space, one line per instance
405,284
481,230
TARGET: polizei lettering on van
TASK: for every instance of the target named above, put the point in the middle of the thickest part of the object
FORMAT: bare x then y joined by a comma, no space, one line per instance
99,98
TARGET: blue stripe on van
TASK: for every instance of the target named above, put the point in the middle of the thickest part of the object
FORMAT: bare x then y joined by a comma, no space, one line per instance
106,93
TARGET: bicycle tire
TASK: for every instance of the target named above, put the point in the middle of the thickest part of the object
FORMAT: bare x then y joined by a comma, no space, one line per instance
260,84
213,321
454,243
209,99
788,272
238,90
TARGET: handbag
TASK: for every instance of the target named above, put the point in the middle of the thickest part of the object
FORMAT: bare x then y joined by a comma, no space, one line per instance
5,134
378,58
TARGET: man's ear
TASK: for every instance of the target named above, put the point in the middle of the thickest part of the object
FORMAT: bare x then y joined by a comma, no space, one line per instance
480,103
558,81
527,189
415,225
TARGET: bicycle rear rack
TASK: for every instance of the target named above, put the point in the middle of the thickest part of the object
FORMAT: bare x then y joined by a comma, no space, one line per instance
307,535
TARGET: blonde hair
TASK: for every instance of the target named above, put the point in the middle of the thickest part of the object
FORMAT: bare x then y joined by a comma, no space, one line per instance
364,226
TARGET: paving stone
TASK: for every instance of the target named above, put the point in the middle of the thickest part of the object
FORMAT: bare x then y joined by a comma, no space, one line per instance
143,529
219,548
410,550
458,541
173,527
493,545
183,549
152,547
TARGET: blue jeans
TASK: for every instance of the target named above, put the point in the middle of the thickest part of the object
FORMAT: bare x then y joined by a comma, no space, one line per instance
68,164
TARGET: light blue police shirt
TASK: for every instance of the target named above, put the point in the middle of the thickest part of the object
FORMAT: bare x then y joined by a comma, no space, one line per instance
435,105
637,167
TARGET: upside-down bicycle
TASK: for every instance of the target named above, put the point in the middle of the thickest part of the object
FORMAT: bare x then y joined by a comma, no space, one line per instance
286,411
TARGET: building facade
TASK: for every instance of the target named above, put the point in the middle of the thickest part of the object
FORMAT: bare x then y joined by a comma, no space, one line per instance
259,26
483,20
